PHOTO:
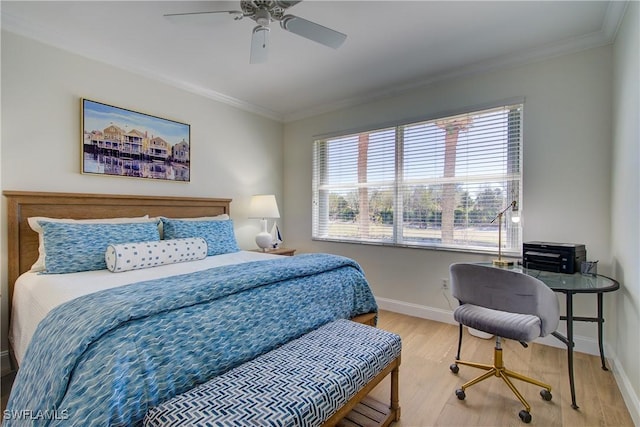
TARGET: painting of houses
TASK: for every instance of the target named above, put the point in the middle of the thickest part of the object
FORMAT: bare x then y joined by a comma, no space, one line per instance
122,142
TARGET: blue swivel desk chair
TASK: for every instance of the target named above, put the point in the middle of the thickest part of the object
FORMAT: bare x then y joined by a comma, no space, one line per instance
506,304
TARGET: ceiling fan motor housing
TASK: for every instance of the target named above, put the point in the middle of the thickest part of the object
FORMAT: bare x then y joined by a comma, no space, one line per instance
265,11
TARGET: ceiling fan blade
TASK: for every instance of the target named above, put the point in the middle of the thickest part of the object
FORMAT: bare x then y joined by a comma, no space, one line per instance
285,4
259,45
312,31
204,18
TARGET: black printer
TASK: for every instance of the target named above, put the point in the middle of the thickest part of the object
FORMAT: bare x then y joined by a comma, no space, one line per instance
557,257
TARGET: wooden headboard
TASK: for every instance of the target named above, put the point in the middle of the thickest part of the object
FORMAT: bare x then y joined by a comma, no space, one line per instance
23,242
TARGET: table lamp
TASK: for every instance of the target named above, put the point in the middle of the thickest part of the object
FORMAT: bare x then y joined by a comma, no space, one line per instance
515,217
263,206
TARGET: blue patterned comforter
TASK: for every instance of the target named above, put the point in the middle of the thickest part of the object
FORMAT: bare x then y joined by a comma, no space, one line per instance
105,358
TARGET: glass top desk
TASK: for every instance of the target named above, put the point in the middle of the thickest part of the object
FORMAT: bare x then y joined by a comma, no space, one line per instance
571,284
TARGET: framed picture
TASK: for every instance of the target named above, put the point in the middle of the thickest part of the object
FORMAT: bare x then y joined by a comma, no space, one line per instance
121,142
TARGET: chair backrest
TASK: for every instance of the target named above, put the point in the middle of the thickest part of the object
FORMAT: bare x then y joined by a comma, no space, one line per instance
505,290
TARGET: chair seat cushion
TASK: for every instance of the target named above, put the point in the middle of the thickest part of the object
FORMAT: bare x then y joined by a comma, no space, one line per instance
515,326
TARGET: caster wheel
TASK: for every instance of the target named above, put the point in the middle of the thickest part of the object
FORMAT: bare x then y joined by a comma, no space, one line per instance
454,368
525,416
546,394
460,394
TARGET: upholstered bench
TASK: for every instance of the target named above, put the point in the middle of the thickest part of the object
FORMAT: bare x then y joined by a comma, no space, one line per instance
317,379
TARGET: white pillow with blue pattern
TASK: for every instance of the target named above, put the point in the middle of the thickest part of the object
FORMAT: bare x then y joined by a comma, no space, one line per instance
219,235
74,247
134,256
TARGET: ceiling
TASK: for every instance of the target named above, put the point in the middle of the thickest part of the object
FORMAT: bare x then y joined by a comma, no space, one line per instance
392,46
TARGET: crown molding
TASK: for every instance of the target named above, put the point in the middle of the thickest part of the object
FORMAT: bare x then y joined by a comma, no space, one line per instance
606,35
49,37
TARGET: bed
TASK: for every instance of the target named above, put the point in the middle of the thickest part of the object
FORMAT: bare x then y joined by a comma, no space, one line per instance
100,347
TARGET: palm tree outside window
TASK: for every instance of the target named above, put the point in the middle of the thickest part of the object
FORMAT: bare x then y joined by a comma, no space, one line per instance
436,183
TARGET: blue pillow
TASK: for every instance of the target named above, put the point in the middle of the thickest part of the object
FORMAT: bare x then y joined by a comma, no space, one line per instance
70,248
219,235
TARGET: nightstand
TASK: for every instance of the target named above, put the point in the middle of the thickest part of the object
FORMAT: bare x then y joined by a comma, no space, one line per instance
277,251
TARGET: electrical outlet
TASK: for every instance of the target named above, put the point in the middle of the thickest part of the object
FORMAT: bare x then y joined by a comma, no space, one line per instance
445,283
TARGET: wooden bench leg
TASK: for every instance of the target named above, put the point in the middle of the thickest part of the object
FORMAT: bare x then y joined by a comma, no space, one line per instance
395,399
390,412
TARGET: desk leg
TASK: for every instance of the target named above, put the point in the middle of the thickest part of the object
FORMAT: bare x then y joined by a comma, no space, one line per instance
570,344
600,322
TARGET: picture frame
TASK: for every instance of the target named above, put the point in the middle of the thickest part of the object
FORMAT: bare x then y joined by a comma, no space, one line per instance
121,142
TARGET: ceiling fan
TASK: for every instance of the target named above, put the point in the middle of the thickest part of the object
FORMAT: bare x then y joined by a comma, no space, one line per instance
263,12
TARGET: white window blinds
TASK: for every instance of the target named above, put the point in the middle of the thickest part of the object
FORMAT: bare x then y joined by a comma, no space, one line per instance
437,183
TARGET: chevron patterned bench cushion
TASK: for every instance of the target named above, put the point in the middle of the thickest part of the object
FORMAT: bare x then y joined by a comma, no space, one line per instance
301,383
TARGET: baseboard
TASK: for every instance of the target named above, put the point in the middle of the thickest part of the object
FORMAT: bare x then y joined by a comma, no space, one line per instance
416,310
629,395
582,344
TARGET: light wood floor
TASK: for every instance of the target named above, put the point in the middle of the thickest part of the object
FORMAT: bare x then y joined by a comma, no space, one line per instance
427,386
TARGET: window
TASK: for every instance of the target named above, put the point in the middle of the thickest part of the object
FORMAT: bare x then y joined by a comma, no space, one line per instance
435,183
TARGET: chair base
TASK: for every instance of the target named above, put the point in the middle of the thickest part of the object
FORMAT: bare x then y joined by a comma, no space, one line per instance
498,370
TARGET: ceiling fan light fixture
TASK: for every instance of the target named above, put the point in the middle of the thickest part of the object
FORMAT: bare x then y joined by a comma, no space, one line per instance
262,17
259,45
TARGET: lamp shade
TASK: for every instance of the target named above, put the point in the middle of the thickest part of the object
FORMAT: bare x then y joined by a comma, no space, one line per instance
515,212
263,206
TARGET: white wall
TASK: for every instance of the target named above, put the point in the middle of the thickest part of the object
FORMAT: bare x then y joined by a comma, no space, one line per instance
569,181
567,151
581,184
567,175
625,202
234,154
